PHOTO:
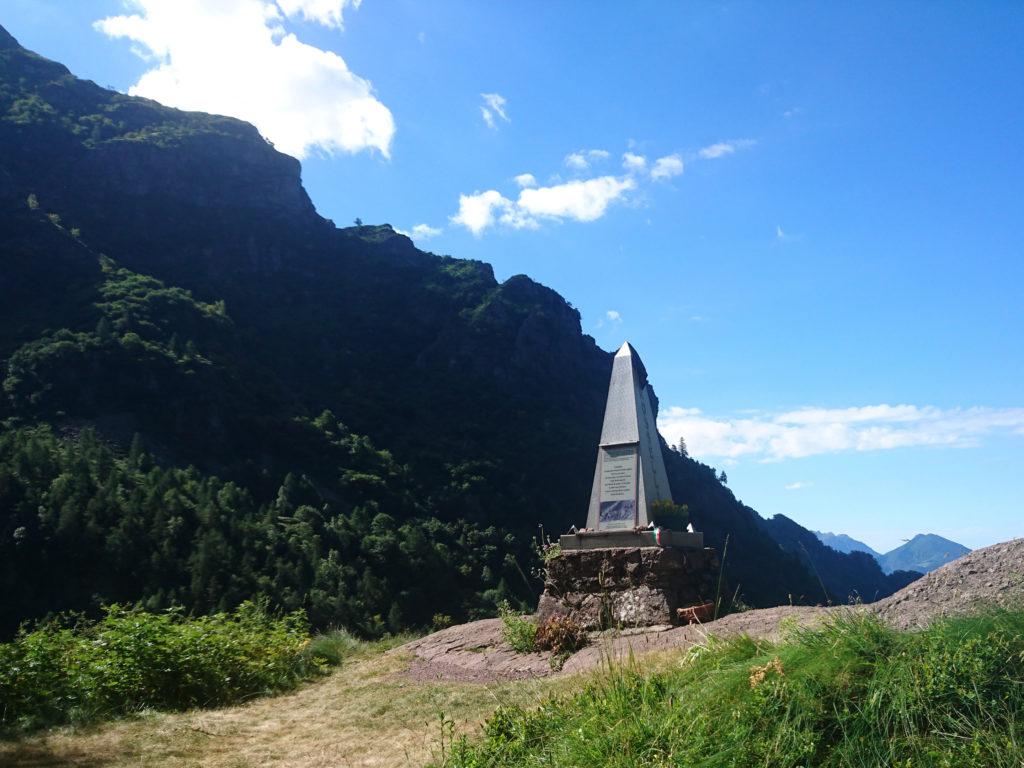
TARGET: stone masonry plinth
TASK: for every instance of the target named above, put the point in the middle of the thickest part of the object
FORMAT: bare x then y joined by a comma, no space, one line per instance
627,586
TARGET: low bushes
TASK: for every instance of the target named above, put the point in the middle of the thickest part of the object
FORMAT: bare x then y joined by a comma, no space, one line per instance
131,660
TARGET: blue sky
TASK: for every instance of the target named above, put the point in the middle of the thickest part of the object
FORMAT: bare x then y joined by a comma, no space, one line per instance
807,217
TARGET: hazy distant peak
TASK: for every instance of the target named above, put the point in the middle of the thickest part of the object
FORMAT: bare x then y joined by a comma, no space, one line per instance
840,542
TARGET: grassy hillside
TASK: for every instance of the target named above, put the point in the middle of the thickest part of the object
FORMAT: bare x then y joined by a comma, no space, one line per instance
853,693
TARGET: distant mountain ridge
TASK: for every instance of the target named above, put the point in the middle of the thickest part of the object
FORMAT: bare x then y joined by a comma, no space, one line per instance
840,542
923,553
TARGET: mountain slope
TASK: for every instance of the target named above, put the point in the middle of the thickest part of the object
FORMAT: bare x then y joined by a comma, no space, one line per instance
843,577
925,552
840,542
333,413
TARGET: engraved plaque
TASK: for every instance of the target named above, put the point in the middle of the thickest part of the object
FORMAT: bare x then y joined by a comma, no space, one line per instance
618,488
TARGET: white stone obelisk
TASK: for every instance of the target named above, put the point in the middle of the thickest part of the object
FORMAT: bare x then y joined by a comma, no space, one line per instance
630,472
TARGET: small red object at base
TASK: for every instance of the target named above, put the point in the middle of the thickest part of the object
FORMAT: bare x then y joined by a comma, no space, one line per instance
696,614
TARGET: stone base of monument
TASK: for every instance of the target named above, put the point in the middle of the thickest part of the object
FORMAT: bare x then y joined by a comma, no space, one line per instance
643,538
620,587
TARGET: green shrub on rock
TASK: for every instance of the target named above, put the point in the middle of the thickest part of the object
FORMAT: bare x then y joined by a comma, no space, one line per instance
518,632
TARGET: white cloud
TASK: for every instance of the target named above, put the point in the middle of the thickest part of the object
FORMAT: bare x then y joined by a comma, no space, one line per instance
421,232
582,160
326,12
577,161
576,200
494,104
724,148
798,485
812,431
634,163
667,167
233,57
579,200
477,211
613,315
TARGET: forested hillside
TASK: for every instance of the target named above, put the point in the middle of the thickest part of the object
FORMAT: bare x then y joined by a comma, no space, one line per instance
210,392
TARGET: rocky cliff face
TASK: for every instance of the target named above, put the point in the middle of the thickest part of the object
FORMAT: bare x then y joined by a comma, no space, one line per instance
135,148
134,167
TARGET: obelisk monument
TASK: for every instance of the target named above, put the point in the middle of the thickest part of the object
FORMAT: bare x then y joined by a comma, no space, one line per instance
630,472
629,475
630,566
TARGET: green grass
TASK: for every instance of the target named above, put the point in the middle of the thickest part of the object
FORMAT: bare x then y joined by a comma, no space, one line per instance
851,693
76,672
338,645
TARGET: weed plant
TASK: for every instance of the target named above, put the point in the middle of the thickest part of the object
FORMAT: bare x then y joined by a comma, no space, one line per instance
67,671
563,636
518,632
851,693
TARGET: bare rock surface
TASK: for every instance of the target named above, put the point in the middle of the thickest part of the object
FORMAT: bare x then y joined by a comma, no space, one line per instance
993,576
475,652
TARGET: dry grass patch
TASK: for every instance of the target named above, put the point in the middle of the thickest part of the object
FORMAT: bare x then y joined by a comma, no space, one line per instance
364,714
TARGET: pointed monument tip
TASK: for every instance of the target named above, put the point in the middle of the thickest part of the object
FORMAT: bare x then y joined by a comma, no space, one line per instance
626,350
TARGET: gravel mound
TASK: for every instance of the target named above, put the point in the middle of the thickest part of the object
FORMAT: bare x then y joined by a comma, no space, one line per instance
993,576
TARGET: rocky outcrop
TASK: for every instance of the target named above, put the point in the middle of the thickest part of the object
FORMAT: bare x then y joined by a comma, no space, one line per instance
133,149
627,587
987,578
